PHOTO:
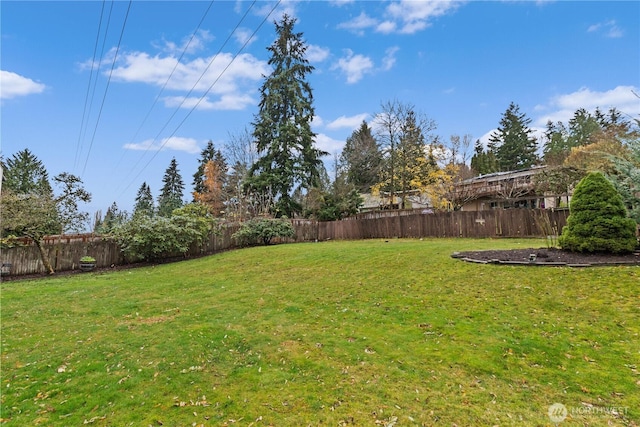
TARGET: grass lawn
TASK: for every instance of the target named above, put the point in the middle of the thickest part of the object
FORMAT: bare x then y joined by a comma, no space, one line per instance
368,332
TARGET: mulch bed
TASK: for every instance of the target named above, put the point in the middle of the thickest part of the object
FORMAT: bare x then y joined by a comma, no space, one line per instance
547,257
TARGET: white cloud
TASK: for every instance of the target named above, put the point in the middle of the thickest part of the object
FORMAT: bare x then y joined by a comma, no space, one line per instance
344,122
609,29
317,121
340,3
386,27
404,17
389,59
328,144
243,35
13,85
189,145
354,66
222,71
562,107
226,102
413,16
316,53
190,45
359,23
231,80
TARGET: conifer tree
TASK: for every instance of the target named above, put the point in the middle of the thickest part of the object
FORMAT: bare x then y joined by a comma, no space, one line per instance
172,191
144,201
512,143
288,158
24,173
598,219
209,153
361,159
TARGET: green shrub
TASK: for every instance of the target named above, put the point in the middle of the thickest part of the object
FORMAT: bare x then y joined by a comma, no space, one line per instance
88,259
155,238
263,230
598,220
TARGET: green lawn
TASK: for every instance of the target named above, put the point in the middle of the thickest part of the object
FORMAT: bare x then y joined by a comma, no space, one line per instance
369,332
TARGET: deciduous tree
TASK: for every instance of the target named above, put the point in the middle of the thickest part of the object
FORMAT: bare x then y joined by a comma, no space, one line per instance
212,193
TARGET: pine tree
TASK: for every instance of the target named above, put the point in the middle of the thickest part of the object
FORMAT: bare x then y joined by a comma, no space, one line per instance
24,173
282,127
144,201
512,143
172,191
361,159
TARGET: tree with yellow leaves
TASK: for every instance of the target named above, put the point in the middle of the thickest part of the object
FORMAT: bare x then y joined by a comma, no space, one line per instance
212,194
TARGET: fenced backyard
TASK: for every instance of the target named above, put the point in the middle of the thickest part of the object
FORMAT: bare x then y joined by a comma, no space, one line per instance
65,251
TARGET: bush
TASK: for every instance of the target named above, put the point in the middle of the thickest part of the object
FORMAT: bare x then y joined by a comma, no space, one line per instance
263,230
88,259
598,220
145,238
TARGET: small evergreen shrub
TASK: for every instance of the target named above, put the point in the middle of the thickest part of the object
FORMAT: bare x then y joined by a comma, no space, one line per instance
263,230
598,220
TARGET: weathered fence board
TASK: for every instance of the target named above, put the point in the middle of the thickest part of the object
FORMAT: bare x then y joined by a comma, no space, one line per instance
65,252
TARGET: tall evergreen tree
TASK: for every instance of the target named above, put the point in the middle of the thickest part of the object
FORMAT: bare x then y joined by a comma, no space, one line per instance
483,161
512,143
144,201
282,127
170,197
24,173
361,159
582,127
113,218
556,146
209,153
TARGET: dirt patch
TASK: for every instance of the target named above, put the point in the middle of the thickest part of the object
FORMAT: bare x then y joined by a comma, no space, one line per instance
547,256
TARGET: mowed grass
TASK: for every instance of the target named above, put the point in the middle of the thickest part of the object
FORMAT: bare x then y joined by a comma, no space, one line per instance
369,332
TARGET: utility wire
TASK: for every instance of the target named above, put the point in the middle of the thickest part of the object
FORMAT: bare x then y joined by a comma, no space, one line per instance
104,97
205,93
95,82
155,101
86,98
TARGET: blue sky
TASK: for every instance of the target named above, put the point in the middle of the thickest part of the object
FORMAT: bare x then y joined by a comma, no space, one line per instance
119,123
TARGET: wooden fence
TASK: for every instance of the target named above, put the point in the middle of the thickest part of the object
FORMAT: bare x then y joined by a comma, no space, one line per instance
490,223
65,251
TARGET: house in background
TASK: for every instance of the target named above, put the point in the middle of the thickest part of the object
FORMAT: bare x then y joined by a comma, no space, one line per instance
506,190
382,201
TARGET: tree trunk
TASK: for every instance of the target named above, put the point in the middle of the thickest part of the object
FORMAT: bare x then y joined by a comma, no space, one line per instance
44,257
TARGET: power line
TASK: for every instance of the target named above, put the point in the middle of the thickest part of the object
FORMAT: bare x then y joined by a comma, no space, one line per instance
86,98
104,97
155,101
205,93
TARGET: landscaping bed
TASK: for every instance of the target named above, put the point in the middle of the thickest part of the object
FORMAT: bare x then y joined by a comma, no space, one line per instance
547,256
